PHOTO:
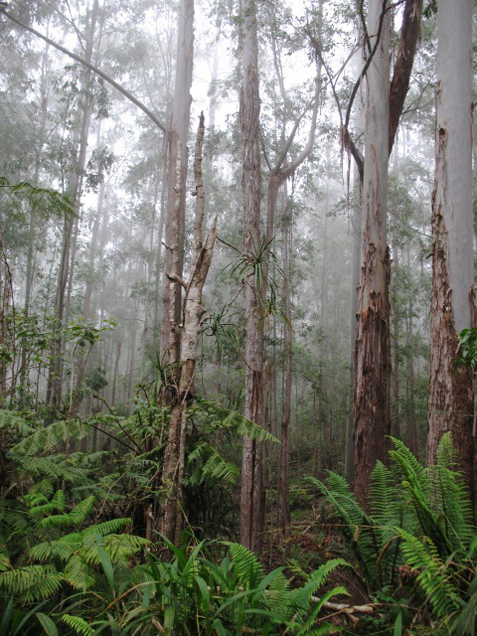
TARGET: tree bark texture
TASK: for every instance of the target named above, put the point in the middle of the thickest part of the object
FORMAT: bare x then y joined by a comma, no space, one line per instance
372,400
174,459
177,177
450,404
252,491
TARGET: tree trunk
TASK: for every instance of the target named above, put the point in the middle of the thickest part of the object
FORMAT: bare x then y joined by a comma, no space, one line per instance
174,459
372,403
252,492
450,404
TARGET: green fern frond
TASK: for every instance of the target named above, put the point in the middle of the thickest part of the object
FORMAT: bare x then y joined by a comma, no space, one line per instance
248,567
57,502
107,527
32,582
316,579
4,563
214,465
450,496
433,576
48,550
121,547
43,440
309,627
358,527
78,624
242,426
78,574
13,422
54,467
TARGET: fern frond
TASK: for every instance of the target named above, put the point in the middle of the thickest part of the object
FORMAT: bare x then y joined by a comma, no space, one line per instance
32,582
78,624
13,422
433,577
450,496
107,527
358,527
44,439
214,465
78,574
121,547
316,579
48,550
248,567
242,426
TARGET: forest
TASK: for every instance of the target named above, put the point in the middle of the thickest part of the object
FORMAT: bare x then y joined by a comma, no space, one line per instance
238,320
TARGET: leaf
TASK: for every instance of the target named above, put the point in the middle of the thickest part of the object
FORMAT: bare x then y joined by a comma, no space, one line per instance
79,625
47,624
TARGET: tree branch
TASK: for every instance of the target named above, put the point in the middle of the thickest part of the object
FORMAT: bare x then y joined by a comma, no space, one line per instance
91,67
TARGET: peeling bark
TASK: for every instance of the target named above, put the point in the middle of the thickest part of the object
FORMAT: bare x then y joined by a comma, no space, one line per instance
373,364
451,403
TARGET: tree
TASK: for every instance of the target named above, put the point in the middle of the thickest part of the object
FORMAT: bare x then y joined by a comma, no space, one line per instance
252,492
173,469
384,106
450,390
372,421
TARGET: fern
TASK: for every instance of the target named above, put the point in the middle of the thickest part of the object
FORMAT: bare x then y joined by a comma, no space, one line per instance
358,527
31,583
209,463
248,567
13,422
78,624
43,440
433,576
450,497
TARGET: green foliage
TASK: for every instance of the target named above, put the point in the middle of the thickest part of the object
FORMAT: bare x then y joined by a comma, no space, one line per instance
468,348
420,518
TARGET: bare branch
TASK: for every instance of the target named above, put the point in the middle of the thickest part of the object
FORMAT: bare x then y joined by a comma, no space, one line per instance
91,67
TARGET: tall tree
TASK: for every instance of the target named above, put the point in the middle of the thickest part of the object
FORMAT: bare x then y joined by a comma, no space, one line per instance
450,390
372,416
252,492
172,473
384,107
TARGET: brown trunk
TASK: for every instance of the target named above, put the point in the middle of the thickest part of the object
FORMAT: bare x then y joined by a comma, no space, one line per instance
252,492
284,475
373,365
410,30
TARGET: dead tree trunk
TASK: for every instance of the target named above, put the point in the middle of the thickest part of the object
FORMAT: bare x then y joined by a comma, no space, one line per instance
174,460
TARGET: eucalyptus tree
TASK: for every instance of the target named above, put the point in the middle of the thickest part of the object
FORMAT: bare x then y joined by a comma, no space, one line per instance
384,104
450,390
252,500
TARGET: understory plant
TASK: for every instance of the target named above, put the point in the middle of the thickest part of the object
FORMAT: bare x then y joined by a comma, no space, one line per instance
415,543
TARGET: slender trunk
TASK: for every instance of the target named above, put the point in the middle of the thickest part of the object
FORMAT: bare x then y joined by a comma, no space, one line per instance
252,493
284,475
174,459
